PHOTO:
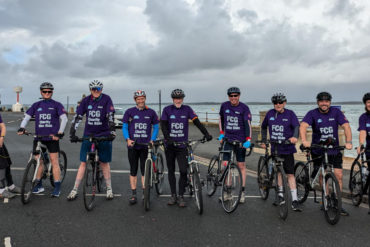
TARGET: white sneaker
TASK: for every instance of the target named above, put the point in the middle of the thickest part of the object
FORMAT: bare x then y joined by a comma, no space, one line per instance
242,198
109,194
227,197
72,195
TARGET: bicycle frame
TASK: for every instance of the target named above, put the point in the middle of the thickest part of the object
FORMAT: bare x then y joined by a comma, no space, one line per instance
41,154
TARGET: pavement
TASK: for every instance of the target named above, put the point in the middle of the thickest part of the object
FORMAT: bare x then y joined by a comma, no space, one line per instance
47,221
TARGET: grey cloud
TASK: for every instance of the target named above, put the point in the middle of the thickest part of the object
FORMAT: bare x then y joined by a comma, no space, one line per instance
248,15
344,8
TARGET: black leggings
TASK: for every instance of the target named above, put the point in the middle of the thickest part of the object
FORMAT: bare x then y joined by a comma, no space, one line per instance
4,152
179,154
134,155
2,178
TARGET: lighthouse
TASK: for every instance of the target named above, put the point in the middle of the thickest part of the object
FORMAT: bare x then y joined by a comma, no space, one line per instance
17,107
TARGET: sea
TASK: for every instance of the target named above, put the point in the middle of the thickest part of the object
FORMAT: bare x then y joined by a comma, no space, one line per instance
209,112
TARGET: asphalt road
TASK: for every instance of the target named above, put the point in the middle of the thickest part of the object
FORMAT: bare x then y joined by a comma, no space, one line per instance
49,221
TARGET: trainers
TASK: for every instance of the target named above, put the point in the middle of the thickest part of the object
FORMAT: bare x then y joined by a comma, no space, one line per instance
109,194
133,199
7,194
344,212
281,200
15,190
72,195
172,201
296,207
56,192
227,197
242,198
38,188
182,202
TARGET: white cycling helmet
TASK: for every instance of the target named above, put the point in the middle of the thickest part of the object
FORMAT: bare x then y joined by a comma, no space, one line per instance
95,83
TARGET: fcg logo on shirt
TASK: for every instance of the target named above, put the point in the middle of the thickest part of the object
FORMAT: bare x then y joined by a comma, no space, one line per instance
136,117
319,120
272,118
227,111
89,107
39,109
172,116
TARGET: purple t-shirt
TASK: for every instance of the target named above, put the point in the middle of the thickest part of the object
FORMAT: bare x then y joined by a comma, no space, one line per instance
178,121
234,118
46,113
1,121
140,124
96,110
364,124
281,127
325,125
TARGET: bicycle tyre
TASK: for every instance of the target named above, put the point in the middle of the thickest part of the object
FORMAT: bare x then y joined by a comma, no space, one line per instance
282,207
211,175
147,185
99,179
90,185
159,174
263,178
62,166
197,187
333,199
302,181
356,185
231,201
27,184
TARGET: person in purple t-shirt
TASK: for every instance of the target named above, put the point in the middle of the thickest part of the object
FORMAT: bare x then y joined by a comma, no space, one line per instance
175,128
235,124
137,128
283,125
5,162
364,127
47,113
99,111
325,121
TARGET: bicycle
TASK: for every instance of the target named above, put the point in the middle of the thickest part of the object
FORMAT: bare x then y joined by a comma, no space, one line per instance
193,179
270,173
93,177
231,177
154,171
330,190
30,173
359,181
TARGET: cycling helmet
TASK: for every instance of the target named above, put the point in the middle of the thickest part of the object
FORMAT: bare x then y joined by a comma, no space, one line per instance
139,93
177,94
323,96
366,97
46,85
233,90
95,83
278,97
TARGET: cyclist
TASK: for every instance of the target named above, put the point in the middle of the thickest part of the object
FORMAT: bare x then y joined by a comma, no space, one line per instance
235,124
137,127
283,125
5,162
324,121
364,128
175,128
47,113
99,111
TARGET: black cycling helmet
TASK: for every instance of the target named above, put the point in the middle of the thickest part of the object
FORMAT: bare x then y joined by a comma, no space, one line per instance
177,94
233,90
46,85
323,96
278,97
366,97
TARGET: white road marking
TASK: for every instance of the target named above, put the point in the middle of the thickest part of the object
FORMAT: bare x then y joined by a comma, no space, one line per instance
7,242
6,200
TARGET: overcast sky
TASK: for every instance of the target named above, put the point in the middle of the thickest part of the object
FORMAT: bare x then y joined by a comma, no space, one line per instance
298,47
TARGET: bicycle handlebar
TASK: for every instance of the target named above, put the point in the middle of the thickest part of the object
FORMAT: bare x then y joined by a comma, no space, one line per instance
93,138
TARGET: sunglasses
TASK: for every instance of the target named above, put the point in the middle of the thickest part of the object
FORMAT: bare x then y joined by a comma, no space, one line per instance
98,89
233,95
45,92
279,102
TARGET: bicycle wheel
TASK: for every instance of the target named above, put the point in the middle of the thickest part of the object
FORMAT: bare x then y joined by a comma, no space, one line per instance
355,183
27,183
263,178
159,175
90,185
197,187
302,181
231,188
212,176
333,199
62,166
282,193
147,185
